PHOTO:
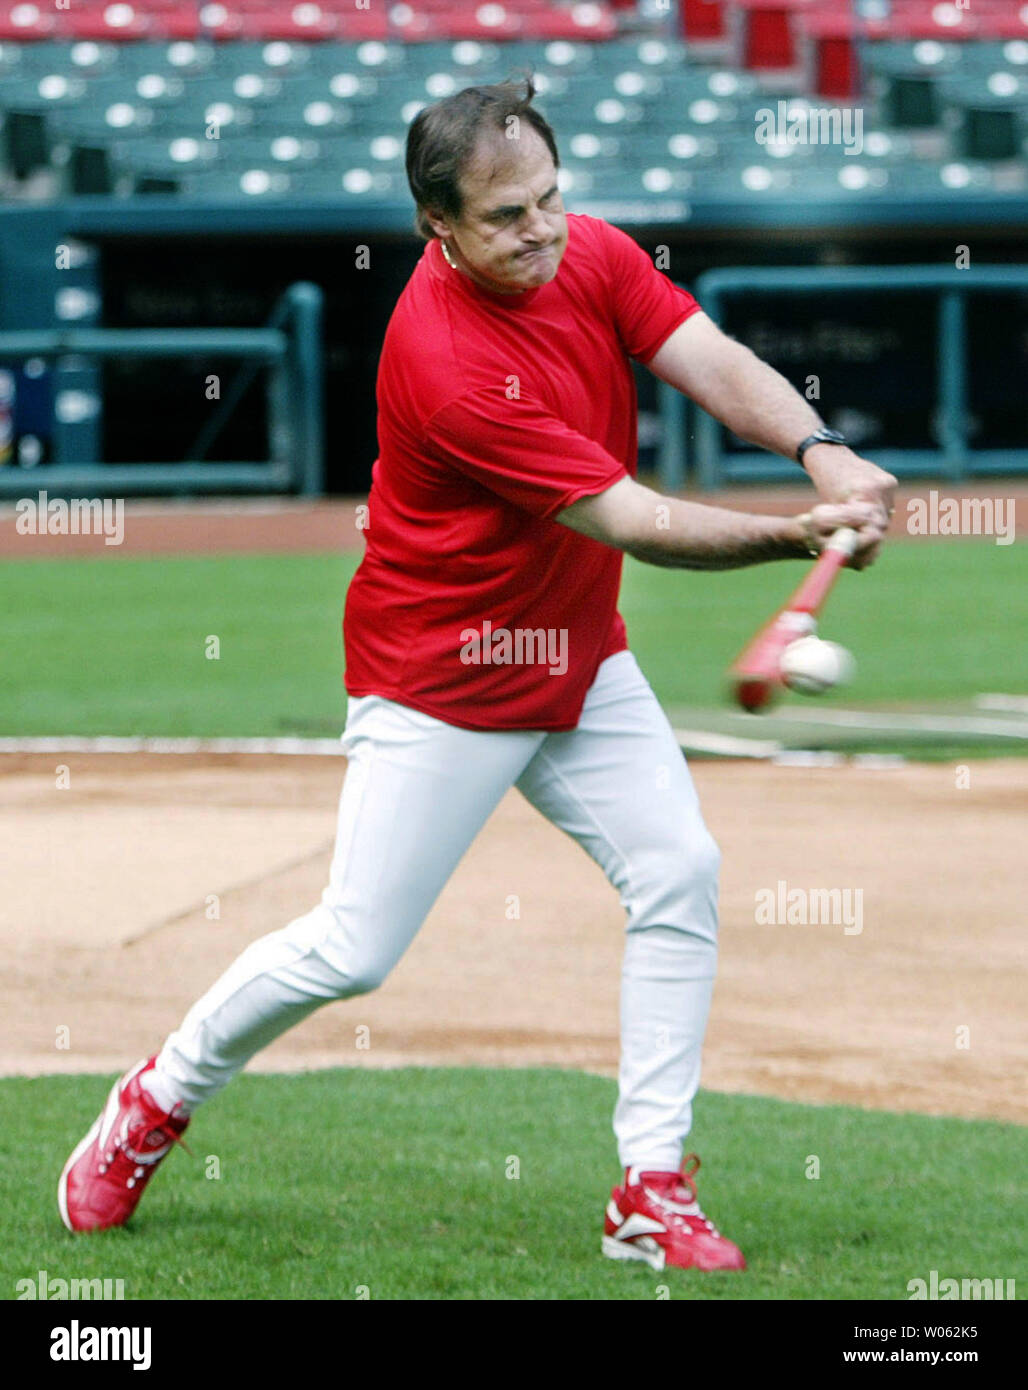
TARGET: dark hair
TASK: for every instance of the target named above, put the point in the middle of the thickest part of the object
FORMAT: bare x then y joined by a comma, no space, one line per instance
442,139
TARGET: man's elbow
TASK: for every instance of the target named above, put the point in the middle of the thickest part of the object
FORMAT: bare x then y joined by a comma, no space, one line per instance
607,517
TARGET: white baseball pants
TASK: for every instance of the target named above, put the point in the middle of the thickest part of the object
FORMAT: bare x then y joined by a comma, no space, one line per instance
415,795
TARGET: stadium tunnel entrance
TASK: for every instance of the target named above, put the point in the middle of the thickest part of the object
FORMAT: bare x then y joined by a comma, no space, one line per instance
234,281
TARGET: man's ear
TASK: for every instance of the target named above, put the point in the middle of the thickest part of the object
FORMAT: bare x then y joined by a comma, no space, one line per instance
439,224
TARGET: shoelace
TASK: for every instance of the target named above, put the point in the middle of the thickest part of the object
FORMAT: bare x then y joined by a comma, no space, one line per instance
679,1189
124,1164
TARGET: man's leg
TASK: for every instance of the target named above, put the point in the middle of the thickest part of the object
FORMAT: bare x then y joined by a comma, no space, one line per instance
416,793
618,784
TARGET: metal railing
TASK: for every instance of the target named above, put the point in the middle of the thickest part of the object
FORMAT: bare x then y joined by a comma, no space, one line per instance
713,466
288,347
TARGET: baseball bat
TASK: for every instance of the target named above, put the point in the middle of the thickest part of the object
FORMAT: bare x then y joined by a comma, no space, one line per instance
756,672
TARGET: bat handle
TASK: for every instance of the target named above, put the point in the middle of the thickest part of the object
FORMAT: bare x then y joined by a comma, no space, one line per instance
844,541
838,549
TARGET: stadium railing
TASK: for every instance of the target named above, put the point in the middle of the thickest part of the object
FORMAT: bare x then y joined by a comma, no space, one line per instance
713,466
289,347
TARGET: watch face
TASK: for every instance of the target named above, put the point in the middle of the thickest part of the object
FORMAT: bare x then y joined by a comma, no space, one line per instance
831,437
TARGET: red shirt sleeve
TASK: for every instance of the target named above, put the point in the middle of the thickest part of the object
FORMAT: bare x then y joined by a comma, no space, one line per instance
647,306
518,450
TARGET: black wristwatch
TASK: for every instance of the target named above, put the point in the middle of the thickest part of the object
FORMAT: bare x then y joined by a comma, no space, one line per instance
821,436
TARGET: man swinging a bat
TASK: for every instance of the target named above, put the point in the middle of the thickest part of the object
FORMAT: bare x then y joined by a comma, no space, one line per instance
502,501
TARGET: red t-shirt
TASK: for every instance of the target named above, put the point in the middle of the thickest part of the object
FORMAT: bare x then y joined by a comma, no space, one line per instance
495,412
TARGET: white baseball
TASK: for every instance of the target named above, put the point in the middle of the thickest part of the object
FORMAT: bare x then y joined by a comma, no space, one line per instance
811,666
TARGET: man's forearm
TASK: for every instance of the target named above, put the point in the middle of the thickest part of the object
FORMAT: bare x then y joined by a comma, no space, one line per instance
689,535
757,403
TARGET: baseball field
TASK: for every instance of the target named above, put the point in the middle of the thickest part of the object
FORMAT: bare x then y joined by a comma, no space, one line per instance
168,786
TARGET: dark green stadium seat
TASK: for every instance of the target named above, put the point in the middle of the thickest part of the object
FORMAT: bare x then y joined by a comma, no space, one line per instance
47,92
192,58
991,132
102,123
37,59
168,158
264,184
378,59
924,56
11,57
984,57
989,114
479,64
565,58
911,101
25,143
651,54
315,115
88,171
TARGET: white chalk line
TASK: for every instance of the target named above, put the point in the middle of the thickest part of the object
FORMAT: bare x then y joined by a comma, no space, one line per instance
703,741
290,747
903,723
1005,704
690,741
698,740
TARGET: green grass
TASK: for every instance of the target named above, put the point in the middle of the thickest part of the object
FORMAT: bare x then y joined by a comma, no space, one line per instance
396,1181
117,646
931,621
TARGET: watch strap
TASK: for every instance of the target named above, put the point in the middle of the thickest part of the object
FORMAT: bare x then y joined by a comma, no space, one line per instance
821,436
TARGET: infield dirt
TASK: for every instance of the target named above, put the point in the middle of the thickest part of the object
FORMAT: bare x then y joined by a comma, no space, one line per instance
110,886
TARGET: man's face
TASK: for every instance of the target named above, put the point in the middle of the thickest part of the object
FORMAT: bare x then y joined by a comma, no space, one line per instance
512,231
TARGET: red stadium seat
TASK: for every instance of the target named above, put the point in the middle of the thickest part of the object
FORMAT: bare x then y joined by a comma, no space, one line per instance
21,22
703,20
179,21
220,21
582,22
117,20
491,19
932,19
355,25
302,22
450,8
834,63
768,33
412,26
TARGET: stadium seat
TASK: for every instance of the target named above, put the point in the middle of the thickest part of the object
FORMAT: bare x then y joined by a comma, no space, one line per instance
48,91
23,22
989,115
300,115
703,20
292,103
831,55
766,33
926,55
585,21
25,144
118,21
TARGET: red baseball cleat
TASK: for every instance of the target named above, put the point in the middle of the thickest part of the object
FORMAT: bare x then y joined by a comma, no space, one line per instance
655,1217
106,1175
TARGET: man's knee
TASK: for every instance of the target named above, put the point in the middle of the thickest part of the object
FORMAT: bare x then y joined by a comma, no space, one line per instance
678,887
362,977
327,956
